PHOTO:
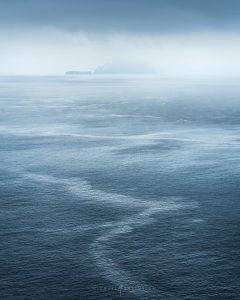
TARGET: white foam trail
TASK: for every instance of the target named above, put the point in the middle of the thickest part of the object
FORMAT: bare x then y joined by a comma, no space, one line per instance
134,116
113,272
144,212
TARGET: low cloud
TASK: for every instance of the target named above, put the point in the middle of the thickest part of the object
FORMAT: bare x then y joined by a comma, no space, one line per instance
51,51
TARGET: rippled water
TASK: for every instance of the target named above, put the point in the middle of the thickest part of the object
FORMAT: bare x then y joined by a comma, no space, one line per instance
119,188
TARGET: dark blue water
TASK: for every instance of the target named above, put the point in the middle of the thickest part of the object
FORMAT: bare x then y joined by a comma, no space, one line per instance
119,188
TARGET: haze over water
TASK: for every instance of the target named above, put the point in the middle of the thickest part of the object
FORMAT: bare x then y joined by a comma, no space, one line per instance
126,188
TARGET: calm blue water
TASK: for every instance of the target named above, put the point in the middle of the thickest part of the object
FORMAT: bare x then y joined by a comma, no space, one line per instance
119,188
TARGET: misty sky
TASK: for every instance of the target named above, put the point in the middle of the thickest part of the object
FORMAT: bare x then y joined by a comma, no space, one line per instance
177,37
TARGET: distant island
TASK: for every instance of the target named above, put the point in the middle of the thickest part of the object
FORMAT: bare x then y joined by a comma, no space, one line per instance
118,68
78,73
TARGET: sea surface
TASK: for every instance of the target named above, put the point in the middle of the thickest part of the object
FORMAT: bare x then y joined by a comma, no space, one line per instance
119,188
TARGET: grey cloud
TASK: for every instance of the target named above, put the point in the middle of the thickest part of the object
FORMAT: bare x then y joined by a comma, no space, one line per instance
144,16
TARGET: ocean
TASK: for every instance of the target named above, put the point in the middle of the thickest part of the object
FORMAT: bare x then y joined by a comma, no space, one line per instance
119,188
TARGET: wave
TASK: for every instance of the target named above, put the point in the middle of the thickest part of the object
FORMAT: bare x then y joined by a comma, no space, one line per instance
66,131
100,250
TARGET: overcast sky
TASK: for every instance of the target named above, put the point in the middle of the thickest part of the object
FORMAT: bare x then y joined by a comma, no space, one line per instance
188,37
